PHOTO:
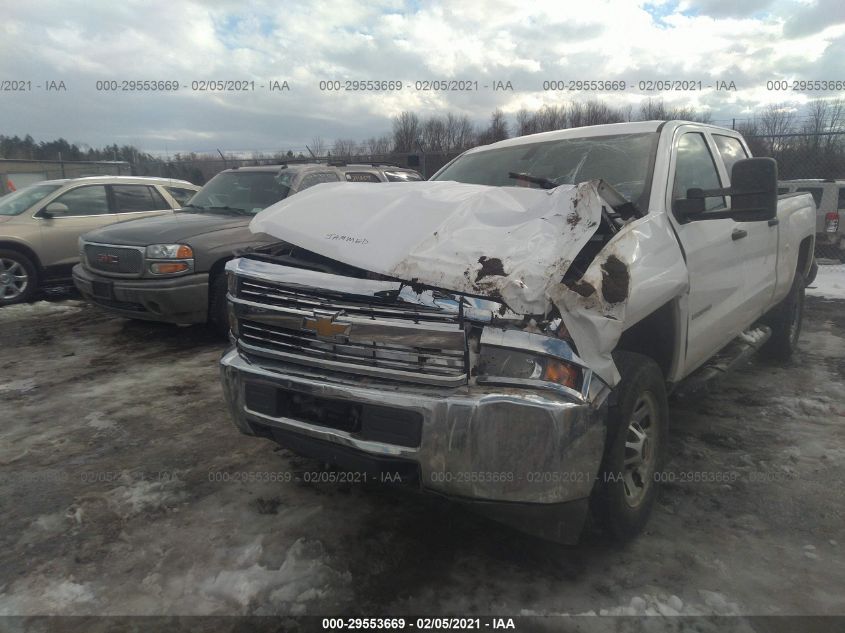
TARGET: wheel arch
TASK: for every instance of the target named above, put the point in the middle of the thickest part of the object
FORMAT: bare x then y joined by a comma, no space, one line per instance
805,255
657,336
24,249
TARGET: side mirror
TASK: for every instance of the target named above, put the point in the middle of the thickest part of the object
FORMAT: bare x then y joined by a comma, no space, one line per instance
754,189
53,209
753,192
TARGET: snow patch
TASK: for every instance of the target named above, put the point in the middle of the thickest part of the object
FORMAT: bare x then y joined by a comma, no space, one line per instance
19,309
50,598
304,577
98,421
143,496
829,283
20,386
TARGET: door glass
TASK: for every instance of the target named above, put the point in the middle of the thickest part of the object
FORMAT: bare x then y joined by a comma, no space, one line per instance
180,194
840,204
730,149
90,200
137,198
816,192
315,179
694,168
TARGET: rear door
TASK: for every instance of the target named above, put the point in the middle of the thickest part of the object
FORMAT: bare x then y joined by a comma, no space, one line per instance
757,240
714,258
135,201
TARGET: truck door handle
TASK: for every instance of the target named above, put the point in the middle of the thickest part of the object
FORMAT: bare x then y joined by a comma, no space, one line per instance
738,234
774,222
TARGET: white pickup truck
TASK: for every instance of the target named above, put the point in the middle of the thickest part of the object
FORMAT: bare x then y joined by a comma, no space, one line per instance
506,334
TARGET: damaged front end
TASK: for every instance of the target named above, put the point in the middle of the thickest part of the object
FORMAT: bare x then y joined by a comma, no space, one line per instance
458,372
457,395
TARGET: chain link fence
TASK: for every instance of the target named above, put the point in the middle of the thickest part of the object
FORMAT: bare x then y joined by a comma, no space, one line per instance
814,164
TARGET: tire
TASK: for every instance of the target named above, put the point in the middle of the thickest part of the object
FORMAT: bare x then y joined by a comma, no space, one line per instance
625,494
811,276
18,277
786,319
218,314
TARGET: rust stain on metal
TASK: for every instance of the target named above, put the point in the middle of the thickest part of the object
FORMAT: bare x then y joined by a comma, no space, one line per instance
490,267
583,288
615,280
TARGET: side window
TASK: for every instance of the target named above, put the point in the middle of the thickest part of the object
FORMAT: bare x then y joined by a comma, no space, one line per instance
315,179
180,194
783,190
361,176
90,200
816,192
730,149
135,198
402,176
840,203
694,168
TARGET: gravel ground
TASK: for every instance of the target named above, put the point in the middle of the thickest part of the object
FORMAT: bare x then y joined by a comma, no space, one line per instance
122,490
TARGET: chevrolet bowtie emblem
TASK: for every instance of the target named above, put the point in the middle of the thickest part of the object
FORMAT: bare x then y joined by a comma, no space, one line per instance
326,326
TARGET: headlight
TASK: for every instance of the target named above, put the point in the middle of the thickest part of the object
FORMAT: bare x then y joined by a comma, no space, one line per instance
169,251
498,362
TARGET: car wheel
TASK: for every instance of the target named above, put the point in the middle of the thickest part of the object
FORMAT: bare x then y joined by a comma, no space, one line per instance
786,320
218,314
635,448
18,278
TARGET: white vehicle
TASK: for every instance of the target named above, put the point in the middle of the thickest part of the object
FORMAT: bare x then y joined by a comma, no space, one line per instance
507,333
829,196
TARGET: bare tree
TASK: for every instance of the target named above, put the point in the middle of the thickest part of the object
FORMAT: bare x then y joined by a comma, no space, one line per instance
318,146
433,135
526,122
459,133
465,135
406,132
378,145
776,121
344,148
550,117
497,130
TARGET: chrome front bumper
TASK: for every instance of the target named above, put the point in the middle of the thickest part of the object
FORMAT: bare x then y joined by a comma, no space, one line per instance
487,444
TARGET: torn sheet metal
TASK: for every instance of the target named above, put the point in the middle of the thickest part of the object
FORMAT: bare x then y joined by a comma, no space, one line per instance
509,243
639,270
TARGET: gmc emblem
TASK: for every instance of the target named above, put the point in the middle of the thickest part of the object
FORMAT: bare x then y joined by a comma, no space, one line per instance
105,258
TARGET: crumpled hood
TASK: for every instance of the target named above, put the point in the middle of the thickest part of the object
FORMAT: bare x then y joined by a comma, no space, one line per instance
507,243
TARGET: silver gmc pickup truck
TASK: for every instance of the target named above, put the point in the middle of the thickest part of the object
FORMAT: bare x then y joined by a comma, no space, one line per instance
506,334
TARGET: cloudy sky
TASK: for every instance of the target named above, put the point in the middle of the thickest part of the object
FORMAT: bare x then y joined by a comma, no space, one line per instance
748,42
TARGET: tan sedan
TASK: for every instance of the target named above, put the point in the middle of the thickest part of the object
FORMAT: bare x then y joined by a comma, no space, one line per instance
40,225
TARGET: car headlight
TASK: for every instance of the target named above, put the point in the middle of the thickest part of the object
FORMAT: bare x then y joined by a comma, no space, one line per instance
499,362
169,251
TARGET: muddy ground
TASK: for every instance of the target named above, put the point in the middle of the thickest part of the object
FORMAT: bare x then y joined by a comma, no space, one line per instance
126,490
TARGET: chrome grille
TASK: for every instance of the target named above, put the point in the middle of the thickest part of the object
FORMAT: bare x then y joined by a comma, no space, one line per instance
263,291
401,358
114,259
343,332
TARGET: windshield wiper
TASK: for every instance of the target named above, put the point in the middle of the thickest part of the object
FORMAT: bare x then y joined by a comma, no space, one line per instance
545,183
192,206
